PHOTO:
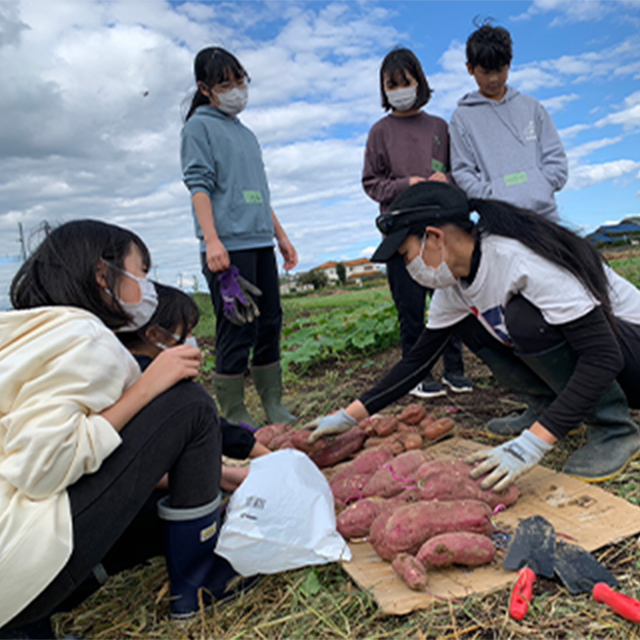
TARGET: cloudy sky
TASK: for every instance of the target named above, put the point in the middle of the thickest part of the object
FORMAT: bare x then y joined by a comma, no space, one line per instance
92,94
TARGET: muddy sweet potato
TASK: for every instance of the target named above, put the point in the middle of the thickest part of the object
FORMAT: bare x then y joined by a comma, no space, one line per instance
283,441
460,547
266,434
339,448
384,426
450,480
413,414
411,570
395,475
347,487
411,440
435,429
408,527
300,440
355,521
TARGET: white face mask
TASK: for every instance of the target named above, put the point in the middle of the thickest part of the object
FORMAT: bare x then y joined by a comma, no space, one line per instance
430,277
402,99
140,312
189,340
234,101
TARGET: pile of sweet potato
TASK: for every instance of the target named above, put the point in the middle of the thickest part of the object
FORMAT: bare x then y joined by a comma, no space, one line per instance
417,512
411,429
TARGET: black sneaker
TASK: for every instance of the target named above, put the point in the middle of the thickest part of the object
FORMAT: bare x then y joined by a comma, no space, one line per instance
428,388
457,382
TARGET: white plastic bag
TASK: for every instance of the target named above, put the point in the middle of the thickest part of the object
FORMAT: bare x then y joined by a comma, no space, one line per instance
281,517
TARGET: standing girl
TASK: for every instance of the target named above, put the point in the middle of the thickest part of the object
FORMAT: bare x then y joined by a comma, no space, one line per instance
406,147
223,170
85,437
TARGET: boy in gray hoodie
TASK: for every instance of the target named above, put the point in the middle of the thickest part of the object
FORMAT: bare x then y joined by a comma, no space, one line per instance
504,145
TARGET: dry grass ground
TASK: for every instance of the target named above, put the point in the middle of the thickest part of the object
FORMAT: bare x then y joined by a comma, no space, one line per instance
323,603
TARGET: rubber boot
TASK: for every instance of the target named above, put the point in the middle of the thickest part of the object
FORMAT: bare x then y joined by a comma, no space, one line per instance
268,382
195,571
511,372
613,438
230,395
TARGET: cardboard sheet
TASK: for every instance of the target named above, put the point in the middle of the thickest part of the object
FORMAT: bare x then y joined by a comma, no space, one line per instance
589,515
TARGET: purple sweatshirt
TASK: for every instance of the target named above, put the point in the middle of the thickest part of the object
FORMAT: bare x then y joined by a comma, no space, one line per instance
401,147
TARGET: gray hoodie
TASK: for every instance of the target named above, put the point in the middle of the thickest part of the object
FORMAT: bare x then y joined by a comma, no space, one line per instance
507,150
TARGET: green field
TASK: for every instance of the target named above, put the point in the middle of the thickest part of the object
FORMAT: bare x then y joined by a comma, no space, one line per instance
335,324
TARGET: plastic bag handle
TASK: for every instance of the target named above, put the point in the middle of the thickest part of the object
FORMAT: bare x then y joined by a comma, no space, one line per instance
521,594
627,607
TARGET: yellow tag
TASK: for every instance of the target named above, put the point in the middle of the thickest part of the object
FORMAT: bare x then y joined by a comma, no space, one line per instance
209,532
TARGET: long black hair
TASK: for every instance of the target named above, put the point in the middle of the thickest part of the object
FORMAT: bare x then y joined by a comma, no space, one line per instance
62,270
212,66
552,241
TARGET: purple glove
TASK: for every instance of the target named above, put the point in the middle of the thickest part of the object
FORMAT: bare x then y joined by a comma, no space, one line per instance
238,305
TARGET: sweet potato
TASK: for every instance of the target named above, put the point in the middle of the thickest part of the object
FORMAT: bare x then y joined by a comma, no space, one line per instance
461,547
356,520
339,448
411,441
411,570
370,460
413,414
450,480
408,527
266,434
390,442
394,476
436,429
348,486
283,441
384,425
300,440
403,427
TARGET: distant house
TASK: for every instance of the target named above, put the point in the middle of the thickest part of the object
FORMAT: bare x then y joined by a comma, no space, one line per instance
289,284
625,232
359,269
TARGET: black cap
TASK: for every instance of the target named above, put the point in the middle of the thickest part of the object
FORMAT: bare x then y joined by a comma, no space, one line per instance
423,204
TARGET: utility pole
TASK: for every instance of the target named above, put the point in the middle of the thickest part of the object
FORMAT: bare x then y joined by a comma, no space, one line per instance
23,250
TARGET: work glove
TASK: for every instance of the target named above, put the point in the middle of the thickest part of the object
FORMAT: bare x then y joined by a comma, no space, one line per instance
338,422
508,461
238,305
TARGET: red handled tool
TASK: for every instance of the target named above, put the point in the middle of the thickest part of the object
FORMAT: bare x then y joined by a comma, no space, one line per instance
531,553
580,572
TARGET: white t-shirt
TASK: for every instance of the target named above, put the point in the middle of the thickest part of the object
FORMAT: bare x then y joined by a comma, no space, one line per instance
507,268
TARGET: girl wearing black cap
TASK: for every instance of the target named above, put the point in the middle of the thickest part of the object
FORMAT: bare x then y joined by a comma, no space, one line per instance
534,301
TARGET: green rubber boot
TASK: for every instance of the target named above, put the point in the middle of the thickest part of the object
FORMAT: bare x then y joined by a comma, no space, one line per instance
230,395
613,438
268,382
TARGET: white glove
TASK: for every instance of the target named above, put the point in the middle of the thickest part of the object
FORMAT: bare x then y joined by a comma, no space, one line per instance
338,422
508,461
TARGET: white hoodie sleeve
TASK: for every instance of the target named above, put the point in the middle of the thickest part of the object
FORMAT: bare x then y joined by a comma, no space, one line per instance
54,434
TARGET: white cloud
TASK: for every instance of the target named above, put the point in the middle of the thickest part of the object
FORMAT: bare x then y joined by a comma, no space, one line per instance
590,175
575,10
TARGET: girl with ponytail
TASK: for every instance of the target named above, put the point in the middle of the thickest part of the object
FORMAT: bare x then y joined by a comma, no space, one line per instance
536,303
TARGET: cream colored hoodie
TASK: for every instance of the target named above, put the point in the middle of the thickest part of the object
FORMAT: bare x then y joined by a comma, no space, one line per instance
59,368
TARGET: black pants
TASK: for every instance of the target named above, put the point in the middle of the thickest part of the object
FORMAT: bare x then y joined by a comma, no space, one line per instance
410,300
532,334
178,432
234,344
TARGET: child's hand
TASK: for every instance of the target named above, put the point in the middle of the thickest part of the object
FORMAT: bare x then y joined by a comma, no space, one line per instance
170,367
415,179
288,252
438,176
217,256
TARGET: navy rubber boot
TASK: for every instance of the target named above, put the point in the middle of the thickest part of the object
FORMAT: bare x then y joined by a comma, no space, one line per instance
195,571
